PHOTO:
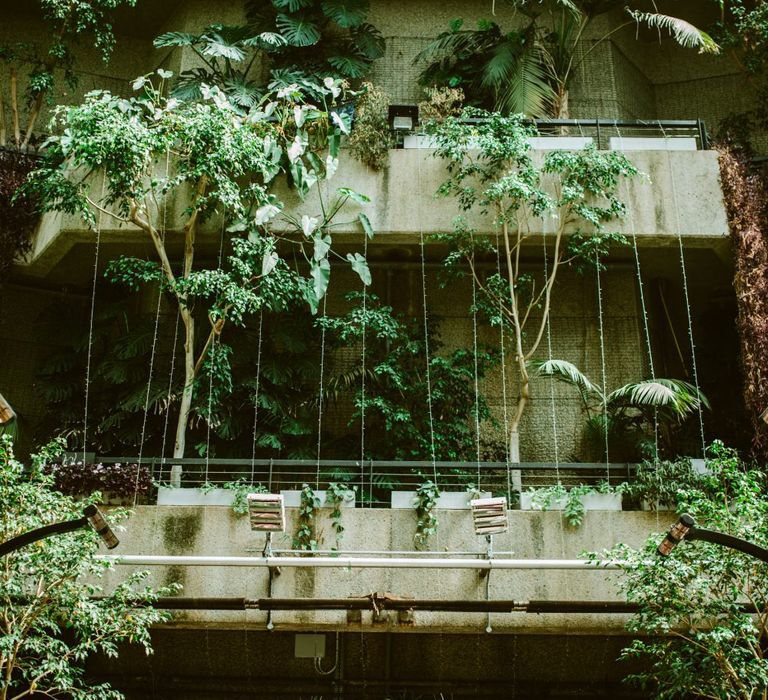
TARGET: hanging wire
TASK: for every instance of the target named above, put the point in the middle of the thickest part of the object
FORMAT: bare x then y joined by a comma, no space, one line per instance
549,357
90,321
428,364
476,372
694,369
256,395
362,375
601,331
170,387
212,355
320,395
502,343
154,340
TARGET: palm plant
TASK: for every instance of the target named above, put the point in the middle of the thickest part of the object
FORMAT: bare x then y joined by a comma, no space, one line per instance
529,69
623,419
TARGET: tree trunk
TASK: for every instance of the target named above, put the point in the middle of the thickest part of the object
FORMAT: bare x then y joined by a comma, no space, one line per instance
186,395
562,109
514,428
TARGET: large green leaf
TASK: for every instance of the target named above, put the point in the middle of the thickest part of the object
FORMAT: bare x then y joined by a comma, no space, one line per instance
360,266
368,41
298,30
175,39
680,397
292,5
349,66
321,274
346,13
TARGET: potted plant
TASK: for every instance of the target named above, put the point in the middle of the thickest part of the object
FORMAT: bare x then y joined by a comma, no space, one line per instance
227,493
657,483
117,483
574,501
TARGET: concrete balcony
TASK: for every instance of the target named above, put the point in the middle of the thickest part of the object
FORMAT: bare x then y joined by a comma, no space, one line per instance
217,531
681,194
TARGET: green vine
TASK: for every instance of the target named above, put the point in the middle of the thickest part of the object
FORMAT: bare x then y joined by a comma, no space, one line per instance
305,537
241,489
336,495
573,505
425,503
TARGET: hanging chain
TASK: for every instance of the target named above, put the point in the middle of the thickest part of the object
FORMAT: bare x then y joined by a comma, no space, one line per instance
362,361
256,396
477,379
694,369
320,395
601,331
90,321
549,357
428,364
502,342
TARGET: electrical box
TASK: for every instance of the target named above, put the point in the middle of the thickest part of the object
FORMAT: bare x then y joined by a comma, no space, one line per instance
309,646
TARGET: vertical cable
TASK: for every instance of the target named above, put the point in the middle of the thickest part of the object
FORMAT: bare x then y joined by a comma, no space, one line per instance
320,396
601,331
256,396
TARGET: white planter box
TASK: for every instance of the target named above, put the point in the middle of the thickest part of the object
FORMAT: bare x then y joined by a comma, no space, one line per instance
194,497
292,499
639,143
559,143
700,467
538,143
592,501
449,500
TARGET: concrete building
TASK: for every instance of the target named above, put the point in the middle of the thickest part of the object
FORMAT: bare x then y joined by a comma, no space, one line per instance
678,220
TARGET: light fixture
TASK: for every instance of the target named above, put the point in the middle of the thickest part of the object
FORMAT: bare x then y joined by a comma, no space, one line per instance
675,535
403,117
489,515
7,414
267,512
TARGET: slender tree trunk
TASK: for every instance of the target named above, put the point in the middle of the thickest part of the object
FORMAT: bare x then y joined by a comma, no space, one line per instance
2,110
186,395
15,107
563,108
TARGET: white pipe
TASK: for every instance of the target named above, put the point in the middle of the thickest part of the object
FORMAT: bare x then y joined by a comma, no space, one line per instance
363,562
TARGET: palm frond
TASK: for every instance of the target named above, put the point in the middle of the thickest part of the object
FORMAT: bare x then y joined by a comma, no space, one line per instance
174,39
526,87
673,394
452,43
684,33
564,371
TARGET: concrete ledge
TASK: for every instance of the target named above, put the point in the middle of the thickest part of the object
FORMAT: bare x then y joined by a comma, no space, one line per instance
157,530
682,193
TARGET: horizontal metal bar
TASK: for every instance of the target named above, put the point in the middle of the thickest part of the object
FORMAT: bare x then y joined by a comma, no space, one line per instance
388,464
361,562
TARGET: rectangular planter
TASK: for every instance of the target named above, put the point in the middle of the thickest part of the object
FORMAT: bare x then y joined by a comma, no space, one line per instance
449,500
538,143
592,501
194,497
292,499
639,143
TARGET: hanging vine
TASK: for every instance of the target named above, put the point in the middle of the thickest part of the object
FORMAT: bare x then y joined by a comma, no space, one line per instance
745,202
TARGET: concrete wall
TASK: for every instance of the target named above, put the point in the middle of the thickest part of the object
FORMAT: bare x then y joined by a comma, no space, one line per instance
681,194
216,531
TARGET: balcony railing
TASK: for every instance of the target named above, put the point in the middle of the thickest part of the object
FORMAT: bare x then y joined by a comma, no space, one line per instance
374,479
607,134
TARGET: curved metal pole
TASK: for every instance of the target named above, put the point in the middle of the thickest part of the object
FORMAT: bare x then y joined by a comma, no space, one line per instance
685,528
91,515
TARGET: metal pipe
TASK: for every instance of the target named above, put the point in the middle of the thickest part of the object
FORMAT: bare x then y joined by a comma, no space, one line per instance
362,562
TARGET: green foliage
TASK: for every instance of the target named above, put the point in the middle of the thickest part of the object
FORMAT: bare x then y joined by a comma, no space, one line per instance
54,617
336,495
397,412
228,160
661,483
628,414
370,139
571,499
425,503
302,43
695,638
305,537
574,194
529,68
67,23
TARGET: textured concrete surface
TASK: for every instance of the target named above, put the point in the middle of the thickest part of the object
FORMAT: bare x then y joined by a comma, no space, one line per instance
176,530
